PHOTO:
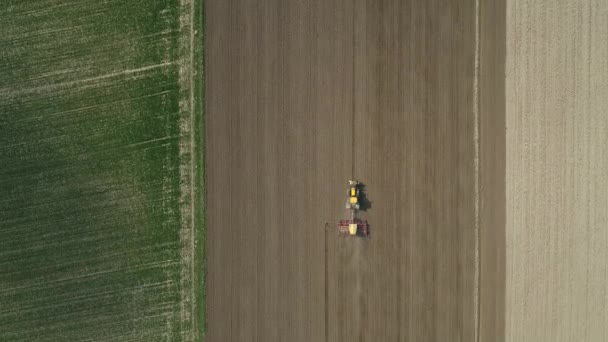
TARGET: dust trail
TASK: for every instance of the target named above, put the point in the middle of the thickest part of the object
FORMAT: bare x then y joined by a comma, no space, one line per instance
358,293
356,268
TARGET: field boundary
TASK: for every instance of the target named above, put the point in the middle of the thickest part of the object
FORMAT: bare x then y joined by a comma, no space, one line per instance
192,184
198,91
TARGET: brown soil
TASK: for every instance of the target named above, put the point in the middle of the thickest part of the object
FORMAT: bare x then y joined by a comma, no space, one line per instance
282,141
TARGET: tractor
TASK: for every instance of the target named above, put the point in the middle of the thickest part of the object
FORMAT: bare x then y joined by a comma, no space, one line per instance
353,226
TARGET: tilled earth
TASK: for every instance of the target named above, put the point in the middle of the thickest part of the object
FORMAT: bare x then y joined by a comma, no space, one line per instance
301,97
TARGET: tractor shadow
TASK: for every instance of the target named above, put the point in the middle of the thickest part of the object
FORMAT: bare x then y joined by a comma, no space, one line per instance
364,203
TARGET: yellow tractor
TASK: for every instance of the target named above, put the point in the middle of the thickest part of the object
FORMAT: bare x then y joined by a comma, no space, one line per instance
354,226
353,196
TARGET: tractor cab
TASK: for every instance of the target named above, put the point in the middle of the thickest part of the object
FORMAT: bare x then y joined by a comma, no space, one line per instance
353,195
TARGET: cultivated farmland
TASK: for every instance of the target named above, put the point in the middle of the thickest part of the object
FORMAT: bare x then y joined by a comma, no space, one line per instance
301,97
100,174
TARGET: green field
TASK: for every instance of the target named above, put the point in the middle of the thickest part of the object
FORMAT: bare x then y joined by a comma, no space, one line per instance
101,174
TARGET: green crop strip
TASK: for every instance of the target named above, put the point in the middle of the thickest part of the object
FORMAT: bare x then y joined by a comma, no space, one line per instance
92,240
